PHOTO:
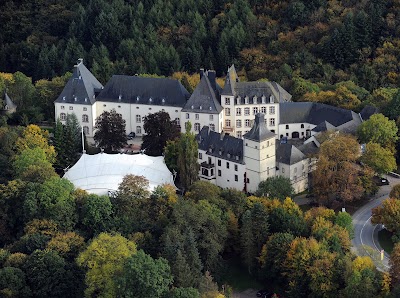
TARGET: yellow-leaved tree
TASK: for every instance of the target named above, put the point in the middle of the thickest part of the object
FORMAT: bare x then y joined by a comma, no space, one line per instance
104,259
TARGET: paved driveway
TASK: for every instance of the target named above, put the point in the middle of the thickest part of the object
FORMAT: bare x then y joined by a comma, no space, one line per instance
365,240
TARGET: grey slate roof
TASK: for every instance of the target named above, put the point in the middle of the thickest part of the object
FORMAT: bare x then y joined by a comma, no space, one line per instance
143,90
323,126
259,131
8,102
260,89
81,88
313,113
367,112
288,154
203,99
230,81
220,145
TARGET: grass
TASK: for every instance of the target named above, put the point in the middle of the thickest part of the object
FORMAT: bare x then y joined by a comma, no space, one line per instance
385,240
238,277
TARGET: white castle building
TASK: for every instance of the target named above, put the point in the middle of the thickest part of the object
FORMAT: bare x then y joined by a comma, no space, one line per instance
247,131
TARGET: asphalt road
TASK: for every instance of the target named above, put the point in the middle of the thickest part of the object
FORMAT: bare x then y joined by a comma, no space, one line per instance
365,240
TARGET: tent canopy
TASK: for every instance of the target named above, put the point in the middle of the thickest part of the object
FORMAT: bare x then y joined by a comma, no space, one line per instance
103,172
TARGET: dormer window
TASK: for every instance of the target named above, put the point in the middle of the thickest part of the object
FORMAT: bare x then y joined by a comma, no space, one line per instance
220,151
201,107
76,98
163,100
210,150
85,99
137,98
150,99
238,100
228,155
63,97
246,100
237,157
210,108
6,107
255,100
263,99
119,97
192,107
271,99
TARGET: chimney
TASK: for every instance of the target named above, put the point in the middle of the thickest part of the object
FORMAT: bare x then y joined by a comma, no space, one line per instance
212,78
201,73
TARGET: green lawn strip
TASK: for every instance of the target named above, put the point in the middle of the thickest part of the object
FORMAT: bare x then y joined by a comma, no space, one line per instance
385,240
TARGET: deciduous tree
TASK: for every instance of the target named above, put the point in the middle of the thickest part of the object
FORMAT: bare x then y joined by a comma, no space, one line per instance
381,160
278,187
159,129
104,259
110,131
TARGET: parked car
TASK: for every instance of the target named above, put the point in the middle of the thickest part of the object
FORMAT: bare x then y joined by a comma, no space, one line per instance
131,135
384,181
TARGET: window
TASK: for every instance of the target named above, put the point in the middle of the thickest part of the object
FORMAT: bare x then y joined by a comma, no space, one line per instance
236,168
255,110
255,100
246,111
219,173
283,170
219,162
187,116
238,112
239,134
227,111
196,116
264,110
86,130
246,100
236,178
62,107
272,122
211,117
138,129
247,122
238,123
138,119
197,126
63,116
302,126
212,127
71,108
200,155
85,109
287,126
104,105
228,123
178,121
227,165
227,101
272,110
85,118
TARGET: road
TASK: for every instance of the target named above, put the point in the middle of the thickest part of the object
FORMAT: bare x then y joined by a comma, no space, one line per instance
365,240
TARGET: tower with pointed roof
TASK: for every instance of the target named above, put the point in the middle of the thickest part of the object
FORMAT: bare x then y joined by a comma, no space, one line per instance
259,154
79,97
203,107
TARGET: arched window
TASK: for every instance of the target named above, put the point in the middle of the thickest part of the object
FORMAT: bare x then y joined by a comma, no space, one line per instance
197,126
302,126
85,118
63,116
86,130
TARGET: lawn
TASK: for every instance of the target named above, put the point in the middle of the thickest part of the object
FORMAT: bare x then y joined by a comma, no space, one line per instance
238,277
385,240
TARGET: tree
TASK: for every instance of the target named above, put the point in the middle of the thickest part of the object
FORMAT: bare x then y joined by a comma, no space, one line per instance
51,200
68,245
344,220
183,293
13,283
394,263
46,274
159,129
187,158
337,176
395,192
104,259
96,214
32,137
275,187
110,131
378,129
32,165
381,160
387,214
143,276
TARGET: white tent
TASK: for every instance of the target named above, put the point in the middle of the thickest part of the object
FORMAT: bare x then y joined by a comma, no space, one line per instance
103,172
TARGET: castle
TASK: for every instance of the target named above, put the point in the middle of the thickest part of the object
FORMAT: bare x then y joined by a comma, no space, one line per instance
246,131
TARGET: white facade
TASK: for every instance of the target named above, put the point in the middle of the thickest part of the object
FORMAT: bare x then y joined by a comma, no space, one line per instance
84,113
198,120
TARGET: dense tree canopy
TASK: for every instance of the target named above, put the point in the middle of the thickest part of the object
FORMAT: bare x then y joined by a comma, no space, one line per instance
110,131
